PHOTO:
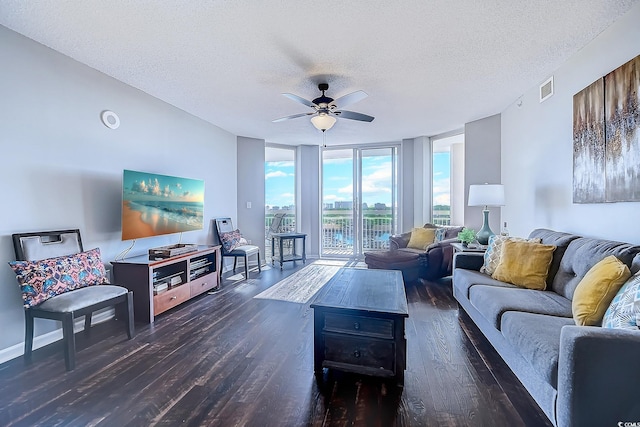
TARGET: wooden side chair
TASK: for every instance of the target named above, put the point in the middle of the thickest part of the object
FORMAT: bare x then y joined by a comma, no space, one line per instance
233,245
61,282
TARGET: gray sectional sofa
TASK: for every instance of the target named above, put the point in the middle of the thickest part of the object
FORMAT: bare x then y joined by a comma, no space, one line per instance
579,375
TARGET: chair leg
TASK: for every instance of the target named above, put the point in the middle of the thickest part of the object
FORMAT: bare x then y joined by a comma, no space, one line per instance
128,317
259,267
246,267
235,260
87,323
28,335
69,341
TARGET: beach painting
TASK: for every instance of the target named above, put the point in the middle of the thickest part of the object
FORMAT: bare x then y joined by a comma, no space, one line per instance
154,204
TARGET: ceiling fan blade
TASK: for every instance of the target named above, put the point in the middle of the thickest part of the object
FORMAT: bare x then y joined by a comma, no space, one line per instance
351,115
294,116
350,98
300,100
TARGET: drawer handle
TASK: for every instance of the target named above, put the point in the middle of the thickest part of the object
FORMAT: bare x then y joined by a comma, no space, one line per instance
174,297
204,284
356,326
356,353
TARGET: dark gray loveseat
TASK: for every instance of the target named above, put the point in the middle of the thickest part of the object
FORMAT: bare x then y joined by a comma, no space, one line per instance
579,375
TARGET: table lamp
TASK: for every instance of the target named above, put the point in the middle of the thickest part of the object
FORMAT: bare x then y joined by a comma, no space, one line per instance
486,195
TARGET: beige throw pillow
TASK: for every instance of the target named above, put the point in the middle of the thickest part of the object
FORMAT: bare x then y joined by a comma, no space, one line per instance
421,238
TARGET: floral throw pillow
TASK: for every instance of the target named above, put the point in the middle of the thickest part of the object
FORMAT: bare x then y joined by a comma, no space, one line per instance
44,279
624,310
231,240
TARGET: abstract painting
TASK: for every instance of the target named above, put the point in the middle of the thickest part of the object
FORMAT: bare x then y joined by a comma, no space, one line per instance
606,138
622,98
589,144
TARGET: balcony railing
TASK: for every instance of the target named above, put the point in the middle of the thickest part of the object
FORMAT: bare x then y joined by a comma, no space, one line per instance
338,230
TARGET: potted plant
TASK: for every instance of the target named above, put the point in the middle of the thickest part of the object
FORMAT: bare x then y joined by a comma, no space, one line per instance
466,236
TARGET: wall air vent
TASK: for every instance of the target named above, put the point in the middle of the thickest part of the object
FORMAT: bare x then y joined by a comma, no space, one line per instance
546,89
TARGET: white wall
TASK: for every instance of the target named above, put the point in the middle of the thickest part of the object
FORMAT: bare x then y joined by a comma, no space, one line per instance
251,190
537,147
308,196
457,184
407,183
422,182
62,168
482,165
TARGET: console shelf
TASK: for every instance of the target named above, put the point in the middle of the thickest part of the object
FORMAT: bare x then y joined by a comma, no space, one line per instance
161,284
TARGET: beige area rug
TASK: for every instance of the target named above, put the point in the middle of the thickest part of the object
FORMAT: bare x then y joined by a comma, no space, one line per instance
302,285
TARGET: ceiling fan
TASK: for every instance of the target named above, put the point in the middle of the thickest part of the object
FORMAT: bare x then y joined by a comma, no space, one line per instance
325,109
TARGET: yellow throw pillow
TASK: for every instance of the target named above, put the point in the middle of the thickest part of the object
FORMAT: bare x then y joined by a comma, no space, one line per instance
596,290
525,264
421,238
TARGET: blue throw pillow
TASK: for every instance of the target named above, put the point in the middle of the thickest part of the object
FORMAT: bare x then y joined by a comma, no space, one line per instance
624,310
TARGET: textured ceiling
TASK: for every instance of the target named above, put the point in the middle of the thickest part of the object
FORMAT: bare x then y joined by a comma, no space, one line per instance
428,66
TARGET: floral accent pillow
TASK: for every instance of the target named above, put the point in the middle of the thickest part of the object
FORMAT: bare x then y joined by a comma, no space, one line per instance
231,240
624,310
44,279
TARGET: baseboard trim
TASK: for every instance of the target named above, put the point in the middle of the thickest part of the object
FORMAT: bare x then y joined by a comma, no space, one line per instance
17,350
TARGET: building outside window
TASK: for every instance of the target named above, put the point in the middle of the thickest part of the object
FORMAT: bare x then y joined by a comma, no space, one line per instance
280,191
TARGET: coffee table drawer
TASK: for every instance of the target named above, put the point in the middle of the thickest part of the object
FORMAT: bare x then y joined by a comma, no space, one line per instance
358,325
359,351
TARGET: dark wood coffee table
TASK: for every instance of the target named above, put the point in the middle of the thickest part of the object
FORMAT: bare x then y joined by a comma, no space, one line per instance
359,324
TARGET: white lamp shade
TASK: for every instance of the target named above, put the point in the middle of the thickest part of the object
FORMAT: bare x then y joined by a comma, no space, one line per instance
323,121
486,195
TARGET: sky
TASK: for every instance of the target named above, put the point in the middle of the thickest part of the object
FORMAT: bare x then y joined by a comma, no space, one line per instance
441,179
338,180
149,186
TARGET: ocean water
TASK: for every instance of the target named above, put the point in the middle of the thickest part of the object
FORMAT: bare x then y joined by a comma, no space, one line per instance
189,214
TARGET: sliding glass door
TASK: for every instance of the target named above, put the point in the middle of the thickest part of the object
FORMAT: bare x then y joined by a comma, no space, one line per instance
359,195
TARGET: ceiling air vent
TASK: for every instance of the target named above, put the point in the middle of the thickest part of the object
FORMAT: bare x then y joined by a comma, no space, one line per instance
546,89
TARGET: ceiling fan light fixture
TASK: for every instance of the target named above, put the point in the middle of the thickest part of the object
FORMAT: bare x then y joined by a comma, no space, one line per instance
323,121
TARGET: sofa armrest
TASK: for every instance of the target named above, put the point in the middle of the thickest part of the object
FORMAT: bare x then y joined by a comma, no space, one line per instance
399,241
442,243
468,260
598,376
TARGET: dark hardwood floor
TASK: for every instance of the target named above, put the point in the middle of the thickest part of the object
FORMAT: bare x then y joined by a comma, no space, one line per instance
231,360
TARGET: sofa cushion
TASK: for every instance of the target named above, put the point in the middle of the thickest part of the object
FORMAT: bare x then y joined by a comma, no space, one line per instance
493,301
44,279
525,264
421,238
536,338
451,231
558,239
624,310
596,290
465,279
582,254
494,250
